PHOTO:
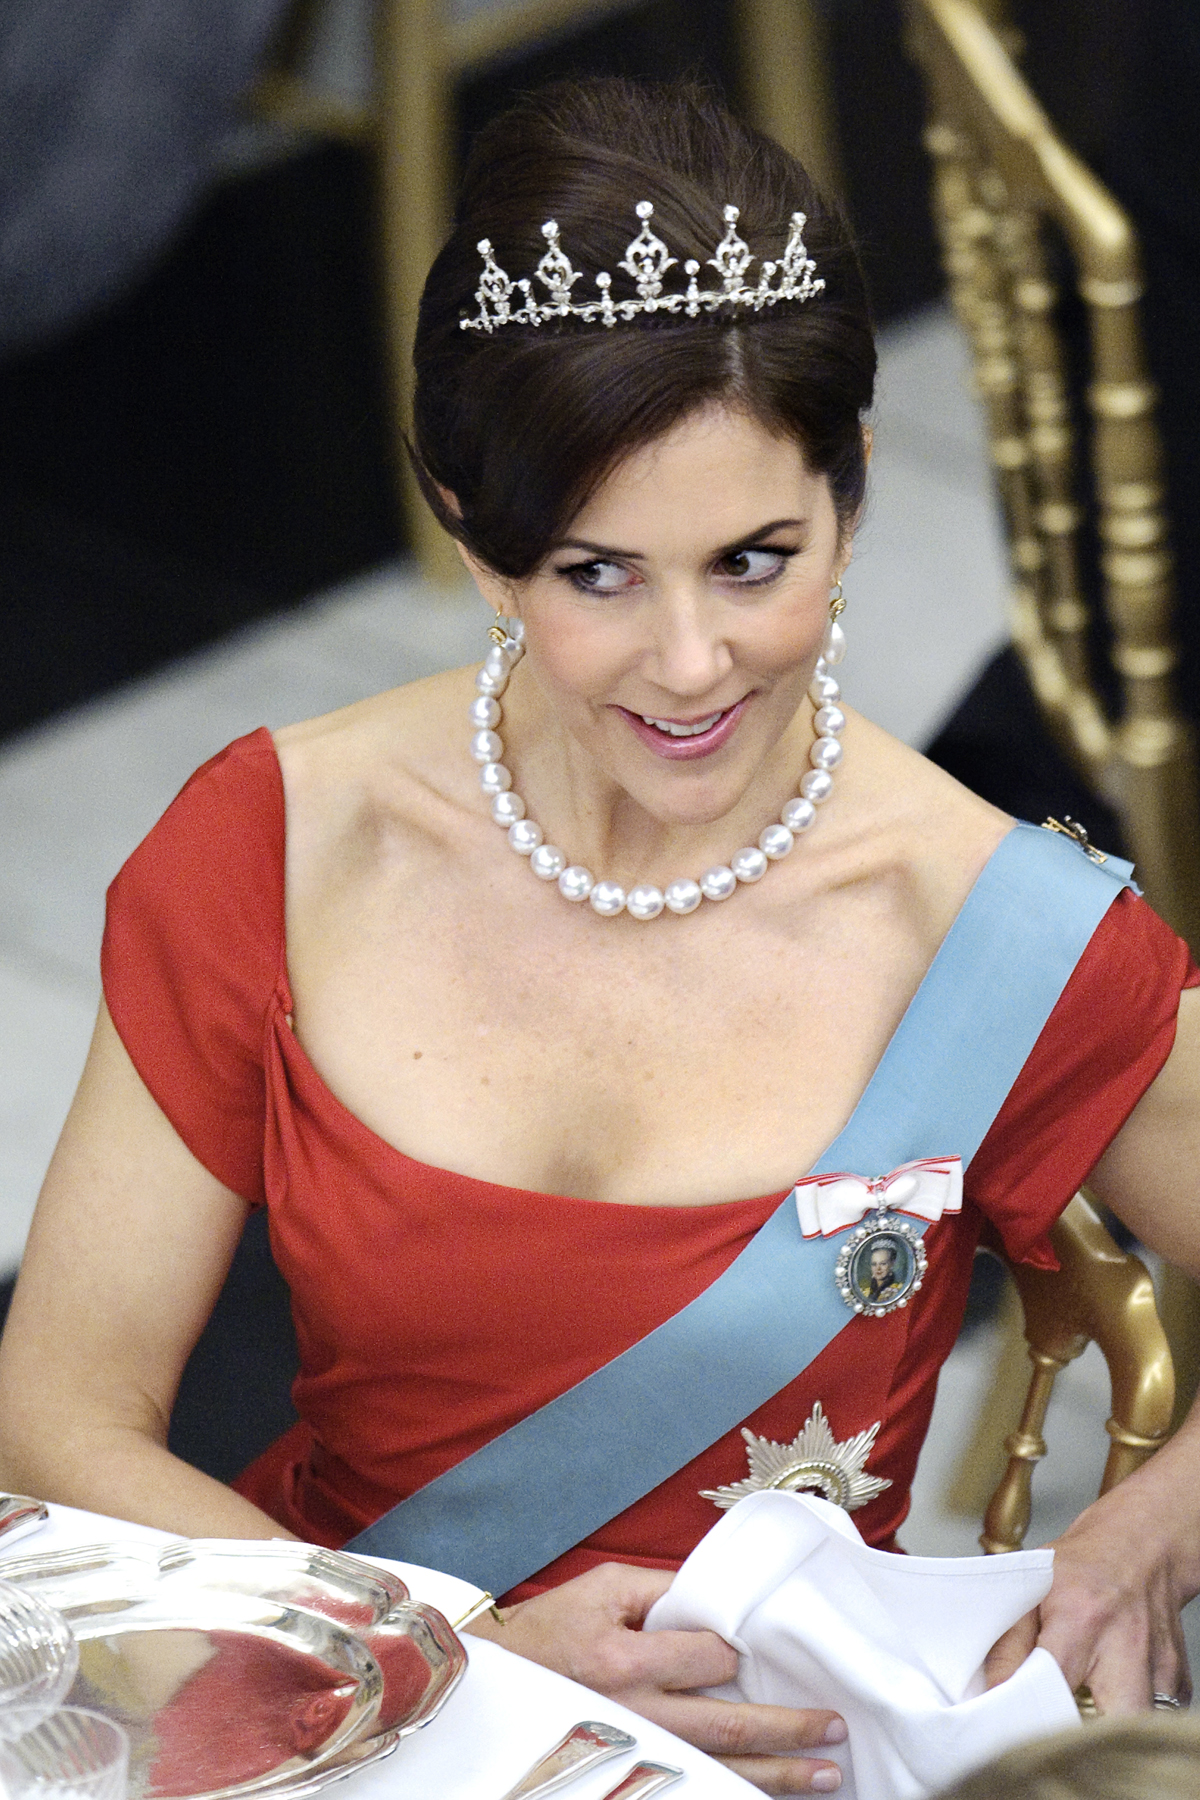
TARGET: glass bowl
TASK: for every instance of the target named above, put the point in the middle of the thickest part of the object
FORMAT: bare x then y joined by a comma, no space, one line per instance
71,1755
38,1660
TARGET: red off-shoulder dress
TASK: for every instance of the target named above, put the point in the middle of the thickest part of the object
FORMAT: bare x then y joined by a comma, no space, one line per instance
432,1309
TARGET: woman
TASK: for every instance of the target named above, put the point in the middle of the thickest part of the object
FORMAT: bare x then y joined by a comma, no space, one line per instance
507,1127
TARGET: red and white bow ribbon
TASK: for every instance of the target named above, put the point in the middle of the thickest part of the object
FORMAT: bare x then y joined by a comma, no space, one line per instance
924,1190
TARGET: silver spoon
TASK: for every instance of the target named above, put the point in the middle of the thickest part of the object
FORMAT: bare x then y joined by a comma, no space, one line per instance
644,1778
585,1745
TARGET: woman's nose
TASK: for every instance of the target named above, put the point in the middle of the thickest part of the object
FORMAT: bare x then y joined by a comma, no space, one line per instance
691,654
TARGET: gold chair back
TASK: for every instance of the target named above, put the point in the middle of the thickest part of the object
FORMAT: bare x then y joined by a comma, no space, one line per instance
1101,1294
1001,174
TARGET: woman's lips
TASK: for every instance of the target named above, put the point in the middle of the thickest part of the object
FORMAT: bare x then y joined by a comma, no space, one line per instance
685,749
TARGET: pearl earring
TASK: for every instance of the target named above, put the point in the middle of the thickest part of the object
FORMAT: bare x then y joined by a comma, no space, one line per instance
834,647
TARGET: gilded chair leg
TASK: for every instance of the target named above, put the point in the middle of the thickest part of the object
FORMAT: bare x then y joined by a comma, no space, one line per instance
1007,1518
414,102
1179,1308
983,1461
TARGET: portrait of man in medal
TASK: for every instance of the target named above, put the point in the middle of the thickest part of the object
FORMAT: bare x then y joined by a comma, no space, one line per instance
883,1270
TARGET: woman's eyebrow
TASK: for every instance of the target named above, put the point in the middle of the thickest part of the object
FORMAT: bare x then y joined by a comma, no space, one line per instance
605,552
602,552
756,537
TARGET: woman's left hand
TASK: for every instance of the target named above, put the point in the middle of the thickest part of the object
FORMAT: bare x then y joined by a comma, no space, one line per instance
1122,1573
590,1629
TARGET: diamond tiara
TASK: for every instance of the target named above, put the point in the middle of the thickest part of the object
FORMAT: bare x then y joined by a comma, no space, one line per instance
503,301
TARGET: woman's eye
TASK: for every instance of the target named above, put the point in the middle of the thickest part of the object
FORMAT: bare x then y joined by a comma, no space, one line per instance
599,577
752,566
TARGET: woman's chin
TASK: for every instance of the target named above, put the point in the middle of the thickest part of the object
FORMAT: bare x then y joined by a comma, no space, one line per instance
691,810
692,797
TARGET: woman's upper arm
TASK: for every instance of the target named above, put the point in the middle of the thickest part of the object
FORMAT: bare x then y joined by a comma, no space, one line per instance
1150,1173
129,1246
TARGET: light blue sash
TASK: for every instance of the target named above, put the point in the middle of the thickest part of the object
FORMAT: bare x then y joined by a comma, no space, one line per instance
559,1474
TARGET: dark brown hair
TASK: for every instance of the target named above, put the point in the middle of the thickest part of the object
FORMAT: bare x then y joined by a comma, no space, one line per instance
522,425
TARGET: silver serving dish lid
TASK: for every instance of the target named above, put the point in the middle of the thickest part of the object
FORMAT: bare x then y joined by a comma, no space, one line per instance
246,1668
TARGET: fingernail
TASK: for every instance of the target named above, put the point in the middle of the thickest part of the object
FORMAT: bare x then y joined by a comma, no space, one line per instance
835,1732
826,1780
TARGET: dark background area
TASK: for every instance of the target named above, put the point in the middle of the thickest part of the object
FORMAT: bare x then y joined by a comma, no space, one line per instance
216,445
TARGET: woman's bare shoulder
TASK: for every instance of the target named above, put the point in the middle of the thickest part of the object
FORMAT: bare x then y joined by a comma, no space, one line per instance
389,748
929,800
912,817
397,721
385,767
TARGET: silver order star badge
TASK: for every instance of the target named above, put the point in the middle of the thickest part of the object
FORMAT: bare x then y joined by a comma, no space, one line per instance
813,1461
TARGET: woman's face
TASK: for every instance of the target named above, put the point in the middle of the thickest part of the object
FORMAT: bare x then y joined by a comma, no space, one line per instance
674,629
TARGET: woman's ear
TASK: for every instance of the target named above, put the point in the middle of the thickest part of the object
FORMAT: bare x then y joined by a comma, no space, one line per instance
495,589
847,539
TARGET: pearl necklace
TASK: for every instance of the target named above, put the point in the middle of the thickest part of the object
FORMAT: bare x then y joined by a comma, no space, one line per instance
608,898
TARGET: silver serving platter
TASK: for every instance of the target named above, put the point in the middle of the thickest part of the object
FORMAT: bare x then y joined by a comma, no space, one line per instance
244,1668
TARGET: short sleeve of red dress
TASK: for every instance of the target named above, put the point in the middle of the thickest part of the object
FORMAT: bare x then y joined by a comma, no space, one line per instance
1101,1048
193,956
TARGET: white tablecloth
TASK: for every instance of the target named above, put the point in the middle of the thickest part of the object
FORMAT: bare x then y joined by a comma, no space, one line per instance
504,1714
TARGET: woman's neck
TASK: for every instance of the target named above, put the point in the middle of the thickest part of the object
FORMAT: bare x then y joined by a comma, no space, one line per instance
597,822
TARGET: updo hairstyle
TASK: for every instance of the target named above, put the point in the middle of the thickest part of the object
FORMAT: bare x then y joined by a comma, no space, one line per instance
522,425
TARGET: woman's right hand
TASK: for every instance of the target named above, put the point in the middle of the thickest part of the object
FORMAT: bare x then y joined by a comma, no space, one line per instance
591,1630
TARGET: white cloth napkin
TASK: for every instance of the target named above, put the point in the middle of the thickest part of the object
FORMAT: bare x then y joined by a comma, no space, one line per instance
895,1644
